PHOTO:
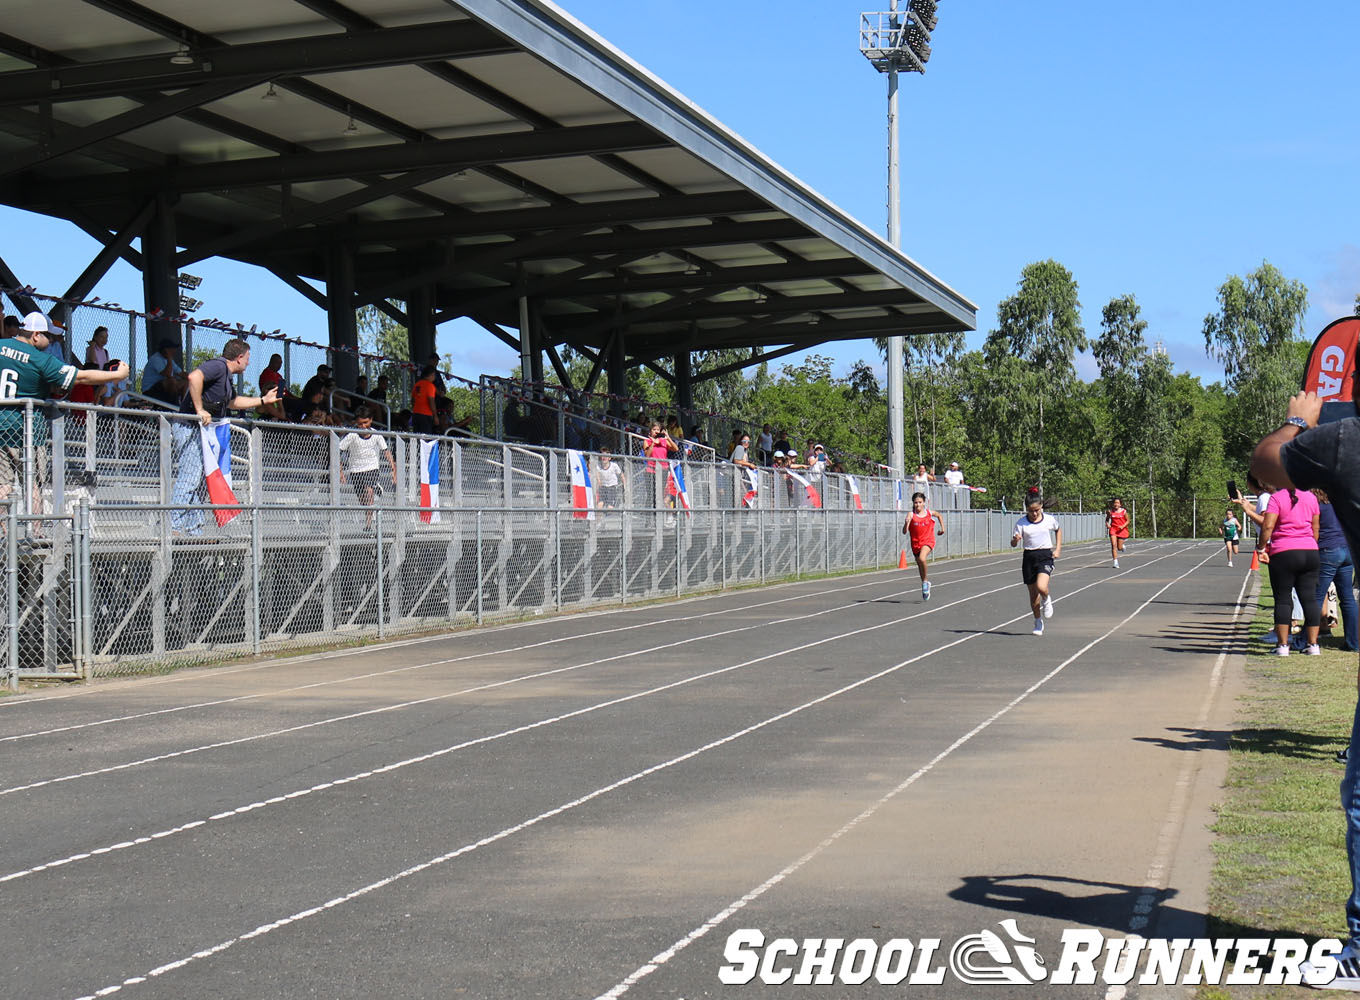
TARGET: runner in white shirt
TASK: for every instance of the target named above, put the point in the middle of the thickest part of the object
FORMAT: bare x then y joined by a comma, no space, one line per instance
1042,540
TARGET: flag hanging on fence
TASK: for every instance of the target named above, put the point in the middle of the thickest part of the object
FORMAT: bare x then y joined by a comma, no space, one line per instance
813,496
897,492
216,439
677,483
582,490
753,478
429,481
854,492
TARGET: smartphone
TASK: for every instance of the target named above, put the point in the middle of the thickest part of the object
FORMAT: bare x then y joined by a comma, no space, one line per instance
1232,490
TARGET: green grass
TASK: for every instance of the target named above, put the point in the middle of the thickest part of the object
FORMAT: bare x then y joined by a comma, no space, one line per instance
1280,854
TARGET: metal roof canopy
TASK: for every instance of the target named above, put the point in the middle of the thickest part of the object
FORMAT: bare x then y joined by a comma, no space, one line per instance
456,156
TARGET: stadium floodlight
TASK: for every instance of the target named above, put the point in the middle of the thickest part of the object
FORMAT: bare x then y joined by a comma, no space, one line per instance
188,305
189,281
897,41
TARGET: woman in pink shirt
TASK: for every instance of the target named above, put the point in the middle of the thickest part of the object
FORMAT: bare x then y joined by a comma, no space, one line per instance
657,446
1289,534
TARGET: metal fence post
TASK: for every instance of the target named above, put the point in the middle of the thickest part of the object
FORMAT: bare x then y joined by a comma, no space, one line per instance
679,549
382,583
557,555
760,540
480,581
256,557
722,548
1194,516
81,565
12,590
1133,517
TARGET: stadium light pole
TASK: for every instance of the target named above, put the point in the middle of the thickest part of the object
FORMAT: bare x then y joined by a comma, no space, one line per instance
896,42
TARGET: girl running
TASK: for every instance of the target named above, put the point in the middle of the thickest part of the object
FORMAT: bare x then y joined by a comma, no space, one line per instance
920,524
1042,538
1231,530
1117,522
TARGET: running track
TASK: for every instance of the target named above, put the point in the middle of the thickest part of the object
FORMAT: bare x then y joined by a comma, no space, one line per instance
588,806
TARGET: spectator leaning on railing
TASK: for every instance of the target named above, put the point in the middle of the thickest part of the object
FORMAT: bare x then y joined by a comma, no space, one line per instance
27,371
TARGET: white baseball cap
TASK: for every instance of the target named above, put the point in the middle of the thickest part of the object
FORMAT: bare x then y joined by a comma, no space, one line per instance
36,322
792,453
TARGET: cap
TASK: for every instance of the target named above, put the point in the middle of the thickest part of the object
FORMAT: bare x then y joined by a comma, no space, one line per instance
953,465
36,322
792,453
779,454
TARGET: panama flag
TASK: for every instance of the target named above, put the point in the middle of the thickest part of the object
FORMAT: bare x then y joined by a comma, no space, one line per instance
678,484
429,481
582,490
854,492
753,477
813,496
216,438
897,483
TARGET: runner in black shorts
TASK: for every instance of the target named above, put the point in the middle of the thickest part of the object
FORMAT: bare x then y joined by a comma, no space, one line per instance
1042,538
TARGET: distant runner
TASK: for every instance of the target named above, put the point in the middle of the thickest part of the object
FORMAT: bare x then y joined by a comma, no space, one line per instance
1231,530
1042,541
1117,521
920,524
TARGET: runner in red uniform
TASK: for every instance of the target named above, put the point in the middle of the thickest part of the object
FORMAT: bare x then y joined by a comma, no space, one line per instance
1117,521
920,524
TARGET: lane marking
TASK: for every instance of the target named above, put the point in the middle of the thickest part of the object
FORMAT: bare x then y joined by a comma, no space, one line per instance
575,803
477,741
661,958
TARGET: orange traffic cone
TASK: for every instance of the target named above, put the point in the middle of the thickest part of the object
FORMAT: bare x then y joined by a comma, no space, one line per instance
902,560
1255,560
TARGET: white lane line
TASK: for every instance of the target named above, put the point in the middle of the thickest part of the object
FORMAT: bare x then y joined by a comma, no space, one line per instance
458,659
481,740
1159,871
660,959
491,685
509,831
484,630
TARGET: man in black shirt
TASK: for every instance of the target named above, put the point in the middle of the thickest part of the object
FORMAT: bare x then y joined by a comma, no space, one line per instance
210,394
1301,454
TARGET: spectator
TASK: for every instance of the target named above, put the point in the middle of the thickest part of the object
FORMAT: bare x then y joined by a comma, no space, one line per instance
31,373
765,445
364,449
791,460
159,366
272,378
56,344
741,453
433,363
1302,455
1289,533
113,388
423,395
461,428
817,461
96,353
299,408
361,387
12,327
317,381
922,478
608,481
781,442
380,390
1336,565
211,393
954,475
657,447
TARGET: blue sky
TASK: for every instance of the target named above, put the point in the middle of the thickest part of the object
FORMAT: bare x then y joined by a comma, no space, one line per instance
1152,151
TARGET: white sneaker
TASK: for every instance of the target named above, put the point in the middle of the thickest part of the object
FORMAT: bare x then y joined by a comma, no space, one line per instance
1048,606
1229,564
1116,564
1313,650
1341,972
1281,650
1038,626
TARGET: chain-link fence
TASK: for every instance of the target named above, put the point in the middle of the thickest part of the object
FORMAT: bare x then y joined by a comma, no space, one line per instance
117,589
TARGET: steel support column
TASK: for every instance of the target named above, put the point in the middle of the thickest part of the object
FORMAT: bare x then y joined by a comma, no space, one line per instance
160,277
684,382
344,331
420,319
618,373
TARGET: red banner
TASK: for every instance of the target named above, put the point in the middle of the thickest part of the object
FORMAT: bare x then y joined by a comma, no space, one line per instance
1331,362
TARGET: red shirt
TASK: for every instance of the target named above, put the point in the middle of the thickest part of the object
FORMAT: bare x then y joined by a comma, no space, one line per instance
1119,523
422,398
922,528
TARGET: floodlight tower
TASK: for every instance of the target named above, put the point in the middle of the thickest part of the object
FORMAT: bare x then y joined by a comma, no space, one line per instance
896,41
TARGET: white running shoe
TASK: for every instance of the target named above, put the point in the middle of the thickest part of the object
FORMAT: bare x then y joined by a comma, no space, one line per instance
1038,626
1281,650
1313,650
1343,975
1229,564
1116,564
1048,606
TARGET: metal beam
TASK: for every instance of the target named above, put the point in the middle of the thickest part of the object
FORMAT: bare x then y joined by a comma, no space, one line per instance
756,358
20,300
537,289
498,333
774,308
112,251
686,237
313,295
750,275
454,154
329,53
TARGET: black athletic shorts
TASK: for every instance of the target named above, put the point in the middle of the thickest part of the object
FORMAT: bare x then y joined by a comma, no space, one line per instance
369,478
1034,562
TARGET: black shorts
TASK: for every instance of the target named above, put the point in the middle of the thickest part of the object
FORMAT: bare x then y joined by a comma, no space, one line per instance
368,478
1034,562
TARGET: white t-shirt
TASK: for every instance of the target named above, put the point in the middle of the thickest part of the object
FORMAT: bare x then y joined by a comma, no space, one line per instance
608,475
954,477
921,481
1035,534
765,441
363,451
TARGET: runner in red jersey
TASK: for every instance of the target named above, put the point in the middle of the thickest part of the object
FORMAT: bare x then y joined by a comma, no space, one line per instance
1117,521
920,525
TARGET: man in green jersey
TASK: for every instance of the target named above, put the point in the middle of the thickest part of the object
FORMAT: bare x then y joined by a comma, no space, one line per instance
27,371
